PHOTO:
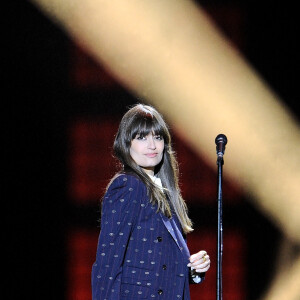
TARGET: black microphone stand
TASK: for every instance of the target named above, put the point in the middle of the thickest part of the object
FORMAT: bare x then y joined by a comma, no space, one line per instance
220,141
220,163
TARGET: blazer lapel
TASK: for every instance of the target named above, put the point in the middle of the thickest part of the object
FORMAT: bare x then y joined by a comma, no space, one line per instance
169,227
175,233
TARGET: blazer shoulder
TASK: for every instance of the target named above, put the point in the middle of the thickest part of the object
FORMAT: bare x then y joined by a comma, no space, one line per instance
124,180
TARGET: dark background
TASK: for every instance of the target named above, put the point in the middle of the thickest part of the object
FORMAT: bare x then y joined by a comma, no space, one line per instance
39,101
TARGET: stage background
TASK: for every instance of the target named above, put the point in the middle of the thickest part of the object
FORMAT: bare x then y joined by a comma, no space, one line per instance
63,111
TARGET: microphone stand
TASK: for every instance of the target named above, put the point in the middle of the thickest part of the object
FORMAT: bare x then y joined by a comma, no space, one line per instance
220,163
221,141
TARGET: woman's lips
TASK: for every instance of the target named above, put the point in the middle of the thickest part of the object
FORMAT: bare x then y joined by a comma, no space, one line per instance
151,154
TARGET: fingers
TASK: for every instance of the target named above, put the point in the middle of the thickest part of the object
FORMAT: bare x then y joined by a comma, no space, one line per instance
200,261
198,255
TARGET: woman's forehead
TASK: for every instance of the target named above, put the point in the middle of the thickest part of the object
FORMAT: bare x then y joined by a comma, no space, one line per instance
145,133
145,130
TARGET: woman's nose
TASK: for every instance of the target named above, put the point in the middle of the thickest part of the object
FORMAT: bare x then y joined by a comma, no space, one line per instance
151,143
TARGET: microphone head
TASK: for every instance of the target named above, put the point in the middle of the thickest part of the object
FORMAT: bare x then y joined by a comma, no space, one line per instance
221,138
221,141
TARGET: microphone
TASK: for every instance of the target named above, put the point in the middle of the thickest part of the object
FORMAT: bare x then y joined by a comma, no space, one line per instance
221,141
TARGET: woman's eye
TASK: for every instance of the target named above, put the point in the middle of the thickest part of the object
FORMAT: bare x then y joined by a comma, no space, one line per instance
159,137
139,137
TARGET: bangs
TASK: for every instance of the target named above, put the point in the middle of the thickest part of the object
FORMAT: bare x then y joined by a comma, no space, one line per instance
145,124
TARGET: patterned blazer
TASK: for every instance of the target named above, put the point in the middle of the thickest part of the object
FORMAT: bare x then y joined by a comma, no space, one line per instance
141,254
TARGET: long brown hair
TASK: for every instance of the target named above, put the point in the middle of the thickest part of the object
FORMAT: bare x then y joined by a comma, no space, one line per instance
141,120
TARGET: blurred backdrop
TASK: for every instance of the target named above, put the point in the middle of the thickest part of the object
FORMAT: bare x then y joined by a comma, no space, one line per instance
64,109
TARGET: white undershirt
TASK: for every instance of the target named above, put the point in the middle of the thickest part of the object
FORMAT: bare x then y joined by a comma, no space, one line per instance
156,180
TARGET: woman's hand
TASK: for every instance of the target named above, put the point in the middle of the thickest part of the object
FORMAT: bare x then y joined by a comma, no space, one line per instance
199,261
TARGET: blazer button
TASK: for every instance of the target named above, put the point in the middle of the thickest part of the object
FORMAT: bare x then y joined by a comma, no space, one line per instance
160,292
159,238
164,267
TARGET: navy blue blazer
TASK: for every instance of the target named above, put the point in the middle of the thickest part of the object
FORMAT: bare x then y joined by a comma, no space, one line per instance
140,253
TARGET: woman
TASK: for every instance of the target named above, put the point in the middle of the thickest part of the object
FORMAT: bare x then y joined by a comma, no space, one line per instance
142,252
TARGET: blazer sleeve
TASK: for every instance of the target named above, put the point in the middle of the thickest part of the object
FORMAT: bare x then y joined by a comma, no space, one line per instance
120,208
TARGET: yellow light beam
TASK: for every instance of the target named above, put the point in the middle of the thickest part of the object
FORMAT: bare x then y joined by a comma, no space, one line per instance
286,284
170,53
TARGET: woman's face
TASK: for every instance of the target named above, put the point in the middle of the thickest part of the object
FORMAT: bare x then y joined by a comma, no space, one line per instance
147,151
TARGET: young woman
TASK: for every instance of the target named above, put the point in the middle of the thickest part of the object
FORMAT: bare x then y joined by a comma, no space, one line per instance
142,251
